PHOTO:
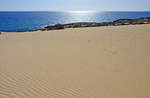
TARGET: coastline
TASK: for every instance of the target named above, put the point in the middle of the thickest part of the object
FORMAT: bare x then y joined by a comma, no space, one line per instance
119,22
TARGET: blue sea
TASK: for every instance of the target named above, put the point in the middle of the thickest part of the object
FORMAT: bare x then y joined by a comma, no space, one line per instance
26,21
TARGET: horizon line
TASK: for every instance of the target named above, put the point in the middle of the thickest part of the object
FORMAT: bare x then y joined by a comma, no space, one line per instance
77,10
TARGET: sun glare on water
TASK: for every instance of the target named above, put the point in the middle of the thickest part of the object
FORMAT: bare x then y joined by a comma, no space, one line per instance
80,16
81,12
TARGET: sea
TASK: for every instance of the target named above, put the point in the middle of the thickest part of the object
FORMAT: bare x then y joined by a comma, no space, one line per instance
33,20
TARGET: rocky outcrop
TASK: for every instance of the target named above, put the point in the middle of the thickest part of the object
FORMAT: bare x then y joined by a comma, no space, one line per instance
132,21
19,31
94,24
55,27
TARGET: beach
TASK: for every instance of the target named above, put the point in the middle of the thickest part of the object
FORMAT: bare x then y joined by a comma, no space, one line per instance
92,62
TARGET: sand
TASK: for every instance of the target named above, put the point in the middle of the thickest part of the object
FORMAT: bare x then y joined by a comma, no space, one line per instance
97,62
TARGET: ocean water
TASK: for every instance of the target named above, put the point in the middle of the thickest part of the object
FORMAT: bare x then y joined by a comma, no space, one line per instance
25,21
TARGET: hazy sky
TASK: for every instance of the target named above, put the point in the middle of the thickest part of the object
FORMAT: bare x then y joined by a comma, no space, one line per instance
65,5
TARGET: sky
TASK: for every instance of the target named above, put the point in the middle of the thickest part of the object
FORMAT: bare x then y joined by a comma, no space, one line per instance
74,5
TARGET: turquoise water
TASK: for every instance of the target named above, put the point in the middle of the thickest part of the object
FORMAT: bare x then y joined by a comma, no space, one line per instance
25,21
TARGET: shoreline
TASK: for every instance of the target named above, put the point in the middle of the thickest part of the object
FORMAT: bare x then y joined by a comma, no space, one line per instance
33,31
119,22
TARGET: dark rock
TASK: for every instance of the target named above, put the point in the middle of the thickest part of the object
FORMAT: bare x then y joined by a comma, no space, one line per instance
123,21
59,26
19,31
54,27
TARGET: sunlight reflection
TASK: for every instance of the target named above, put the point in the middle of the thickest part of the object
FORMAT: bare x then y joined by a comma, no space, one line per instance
80,16
81,12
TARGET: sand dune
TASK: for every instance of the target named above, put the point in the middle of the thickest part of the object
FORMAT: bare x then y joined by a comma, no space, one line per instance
98,62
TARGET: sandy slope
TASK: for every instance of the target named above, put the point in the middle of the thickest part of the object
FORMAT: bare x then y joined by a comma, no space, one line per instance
99,62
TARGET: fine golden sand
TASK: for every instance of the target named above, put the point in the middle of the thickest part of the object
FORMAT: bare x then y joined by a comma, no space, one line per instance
98,62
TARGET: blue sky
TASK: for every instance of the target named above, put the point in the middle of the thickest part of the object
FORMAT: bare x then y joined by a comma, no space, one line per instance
68,5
